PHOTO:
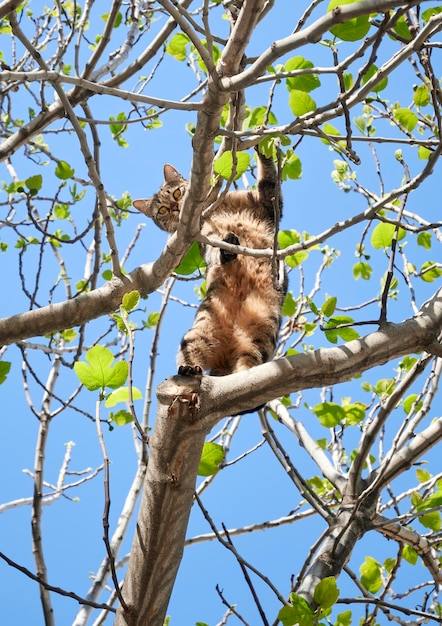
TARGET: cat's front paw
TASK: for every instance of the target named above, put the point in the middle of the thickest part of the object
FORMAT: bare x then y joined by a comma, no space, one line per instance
189,370
226,256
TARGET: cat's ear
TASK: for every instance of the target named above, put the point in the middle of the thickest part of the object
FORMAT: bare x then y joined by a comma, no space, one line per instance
171,175
144,205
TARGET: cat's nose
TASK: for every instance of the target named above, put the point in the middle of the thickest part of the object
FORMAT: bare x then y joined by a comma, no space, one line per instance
174,207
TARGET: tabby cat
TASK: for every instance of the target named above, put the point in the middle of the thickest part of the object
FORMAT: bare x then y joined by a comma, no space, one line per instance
237,324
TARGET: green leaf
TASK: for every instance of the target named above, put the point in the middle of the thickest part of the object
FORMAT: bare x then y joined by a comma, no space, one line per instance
121,418
371,577
431,502
344,618
431,520
34,182
259,115
131,300
426,15
211,458
61,211
101,371
300,613
382,235
296,259
63,171
362,270
192,261
177,46
354,413
331,131
406,118
287,238
118,19
430,272
423,153
305,82
329,306
292,168
378,86
423,475
326,592
351,30
329,414
409,401
401,28
410,555
300,102
224,164
333,332
289,305
107,275
421,96
5,367
152,320
424,240
68,335
122,395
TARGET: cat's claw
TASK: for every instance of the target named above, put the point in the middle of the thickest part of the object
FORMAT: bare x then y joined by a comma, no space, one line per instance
189,370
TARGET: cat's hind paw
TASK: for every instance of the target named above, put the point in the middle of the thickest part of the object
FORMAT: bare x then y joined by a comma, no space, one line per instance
189,370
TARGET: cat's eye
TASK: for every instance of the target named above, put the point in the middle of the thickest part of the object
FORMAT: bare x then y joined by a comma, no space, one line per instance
163,210
177,194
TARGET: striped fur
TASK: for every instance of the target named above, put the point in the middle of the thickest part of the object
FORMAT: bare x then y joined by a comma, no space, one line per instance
237,324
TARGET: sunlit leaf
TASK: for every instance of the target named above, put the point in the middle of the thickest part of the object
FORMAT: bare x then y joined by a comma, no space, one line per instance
152,320
292,168
34,182
177,46
287,238
63,171
430,271
300,612
224,164
382,235
329,414
421,96
301,102
409,554
354,413
380,84
406,118
362,270
371,577
326,592
101,371
131,300
353,29
211,458
192,261
289,305
5,367
329,306
121,418
423,153
424,240
305,82
431,520
122,395
409,401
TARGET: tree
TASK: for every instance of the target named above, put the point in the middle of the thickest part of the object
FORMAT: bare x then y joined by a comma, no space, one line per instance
347,87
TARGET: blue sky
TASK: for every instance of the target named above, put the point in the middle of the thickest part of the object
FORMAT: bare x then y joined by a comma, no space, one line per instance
254,490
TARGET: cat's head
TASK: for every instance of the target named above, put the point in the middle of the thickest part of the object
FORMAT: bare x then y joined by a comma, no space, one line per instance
164,207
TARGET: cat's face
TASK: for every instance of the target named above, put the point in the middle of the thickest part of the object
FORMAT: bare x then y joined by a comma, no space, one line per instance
164,207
